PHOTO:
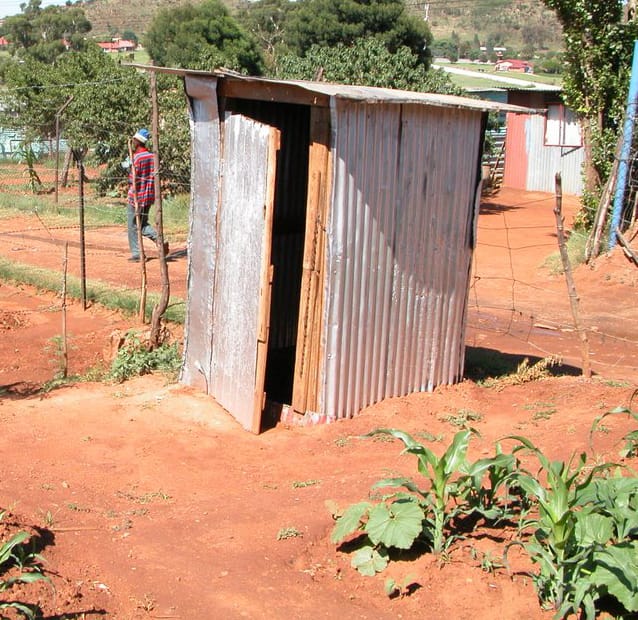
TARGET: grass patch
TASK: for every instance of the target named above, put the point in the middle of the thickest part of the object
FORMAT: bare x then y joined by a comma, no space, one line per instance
463,418
135,359
526,373
99,212
576,244
96,291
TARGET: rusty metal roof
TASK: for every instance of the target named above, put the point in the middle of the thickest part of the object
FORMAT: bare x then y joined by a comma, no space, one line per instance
319,93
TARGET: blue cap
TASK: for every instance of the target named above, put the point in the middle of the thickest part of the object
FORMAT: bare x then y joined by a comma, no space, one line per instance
142,136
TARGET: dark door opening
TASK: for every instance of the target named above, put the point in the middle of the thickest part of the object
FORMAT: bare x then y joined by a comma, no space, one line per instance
288,233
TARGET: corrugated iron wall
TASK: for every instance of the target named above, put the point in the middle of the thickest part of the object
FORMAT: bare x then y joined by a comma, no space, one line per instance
202,240
546,161
290,208
531,165
240,255
515,152
400,238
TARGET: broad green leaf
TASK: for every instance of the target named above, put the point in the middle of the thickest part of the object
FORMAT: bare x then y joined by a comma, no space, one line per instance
390,586
7,548
616,568
370,561
350,521
396,525
26,611
593,528
407,483
455,455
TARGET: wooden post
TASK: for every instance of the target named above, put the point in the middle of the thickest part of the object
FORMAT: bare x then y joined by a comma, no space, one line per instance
571,287
57,145
78,154
65,350
160,308
308,352
140,238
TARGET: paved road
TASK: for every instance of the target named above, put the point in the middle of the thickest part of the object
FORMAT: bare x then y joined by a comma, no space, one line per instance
494,77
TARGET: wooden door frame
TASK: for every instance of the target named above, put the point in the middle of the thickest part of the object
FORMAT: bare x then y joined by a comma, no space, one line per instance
265,289
309,352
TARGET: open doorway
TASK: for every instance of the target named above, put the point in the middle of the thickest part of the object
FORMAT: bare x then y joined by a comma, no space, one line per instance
288,234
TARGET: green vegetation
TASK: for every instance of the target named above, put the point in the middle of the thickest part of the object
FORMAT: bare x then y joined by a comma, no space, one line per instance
43,34
576,245
98,292
463,418
583,539
412,516
97,211
327,23
202,36
515,24
135,358
367,61
630,447
18,558
599,48
577,522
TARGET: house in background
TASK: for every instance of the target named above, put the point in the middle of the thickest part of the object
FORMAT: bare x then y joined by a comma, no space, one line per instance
331,237
513,64
537,145
118,46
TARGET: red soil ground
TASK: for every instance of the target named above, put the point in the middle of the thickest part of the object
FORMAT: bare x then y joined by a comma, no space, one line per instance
150,501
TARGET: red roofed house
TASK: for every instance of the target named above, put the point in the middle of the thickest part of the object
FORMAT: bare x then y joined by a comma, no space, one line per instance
118,45
521,66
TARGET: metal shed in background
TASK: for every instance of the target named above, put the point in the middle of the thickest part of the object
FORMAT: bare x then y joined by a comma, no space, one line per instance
330,243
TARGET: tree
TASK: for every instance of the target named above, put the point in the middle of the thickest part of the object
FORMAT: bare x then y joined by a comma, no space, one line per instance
202,37
266,20
44,34
330,22
366,62
109,102
598,55
129,35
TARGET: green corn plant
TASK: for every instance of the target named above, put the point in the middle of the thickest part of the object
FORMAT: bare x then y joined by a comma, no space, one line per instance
410,514
14,553
27,155
630,448
582,530
489,486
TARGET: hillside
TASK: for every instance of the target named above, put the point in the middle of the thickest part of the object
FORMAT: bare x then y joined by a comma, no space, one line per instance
512,23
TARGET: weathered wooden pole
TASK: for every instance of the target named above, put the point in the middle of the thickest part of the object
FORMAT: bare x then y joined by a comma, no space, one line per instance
569,277
160,307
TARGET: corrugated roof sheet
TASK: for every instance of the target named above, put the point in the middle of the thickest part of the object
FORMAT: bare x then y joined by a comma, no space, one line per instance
368,94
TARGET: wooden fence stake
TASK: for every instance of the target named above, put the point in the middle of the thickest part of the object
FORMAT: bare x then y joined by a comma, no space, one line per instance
571,287
160,308
65,350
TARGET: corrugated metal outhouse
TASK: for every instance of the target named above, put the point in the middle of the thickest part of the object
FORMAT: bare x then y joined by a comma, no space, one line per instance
330,244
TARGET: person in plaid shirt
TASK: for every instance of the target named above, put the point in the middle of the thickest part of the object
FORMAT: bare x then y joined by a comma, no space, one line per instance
141,193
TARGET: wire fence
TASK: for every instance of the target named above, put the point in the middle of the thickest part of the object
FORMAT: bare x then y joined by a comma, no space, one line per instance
519,297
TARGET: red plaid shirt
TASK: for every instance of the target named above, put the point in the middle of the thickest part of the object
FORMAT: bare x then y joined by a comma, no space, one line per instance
143,163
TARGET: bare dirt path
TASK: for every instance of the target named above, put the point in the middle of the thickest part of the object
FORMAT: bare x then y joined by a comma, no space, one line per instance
153,503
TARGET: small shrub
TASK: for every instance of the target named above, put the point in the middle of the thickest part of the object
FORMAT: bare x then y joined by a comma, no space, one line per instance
525,373
630,449
584,534
16,556
411,515
135,358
